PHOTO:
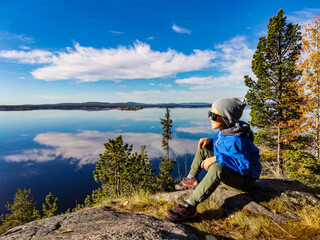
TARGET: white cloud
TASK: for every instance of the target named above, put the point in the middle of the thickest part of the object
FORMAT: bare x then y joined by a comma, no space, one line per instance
18,37
116,32
28,57
262,33
164,85
198,83
304,16
233,61
178,96
24,47
180,29
150,38
89,64
84,148
203,82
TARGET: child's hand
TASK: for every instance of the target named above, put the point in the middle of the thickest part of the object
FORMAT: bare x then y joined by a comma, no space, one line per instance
203,142
208,162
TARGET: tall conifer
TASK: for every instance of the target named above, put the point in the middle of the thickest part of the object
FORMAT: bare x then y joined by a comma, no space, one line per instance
164,181
273,97
167,133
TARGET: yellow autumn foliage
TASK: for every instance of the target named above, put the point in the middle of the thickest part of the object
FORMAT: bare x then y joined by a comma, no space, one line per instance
309,88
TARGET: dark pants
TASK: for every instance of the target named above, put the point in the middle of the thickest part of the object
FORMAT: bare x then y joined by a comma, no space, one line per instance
216,173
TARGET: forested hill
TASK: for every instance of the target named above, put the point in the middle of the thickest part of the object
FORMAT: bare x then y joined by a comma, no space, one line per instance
100,106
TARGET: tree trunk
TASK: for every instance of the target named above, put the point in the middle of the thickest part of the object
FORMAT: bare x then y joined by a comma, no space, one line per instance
317,122
117,178
280,173
317,134
279,160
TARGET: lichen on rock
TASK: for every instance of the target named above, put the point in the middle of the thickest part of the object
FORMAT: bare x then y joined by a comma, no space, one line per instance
99,223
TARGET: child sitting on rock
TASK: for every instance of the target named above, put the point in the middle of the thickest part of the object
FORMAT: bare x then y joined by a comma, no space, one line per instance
229,157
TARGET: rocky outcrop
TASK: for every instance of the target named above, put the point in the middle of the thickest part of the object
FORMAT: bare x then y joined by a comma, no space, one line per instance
230,200
107,223
99,223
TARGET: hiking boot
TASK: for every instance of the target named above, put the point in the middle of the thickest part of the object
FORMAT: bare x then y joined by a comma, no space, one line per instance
187,183
181,212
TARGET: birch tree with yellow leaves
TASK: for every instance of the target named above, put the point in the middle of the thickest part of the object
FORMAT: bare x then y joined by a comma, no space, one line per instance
303,157
310,81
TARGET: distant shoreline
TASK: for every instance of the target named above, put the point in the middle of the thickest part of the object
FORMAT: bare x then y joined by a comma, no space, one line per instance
100,106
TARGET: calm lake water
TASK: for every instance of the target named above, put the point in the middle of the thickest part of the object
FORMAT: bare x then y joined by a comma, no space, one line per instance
55,151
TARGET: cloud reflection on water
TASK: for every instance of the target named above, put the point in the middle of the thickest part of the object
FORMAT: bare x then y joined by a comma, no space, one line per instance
196,127
84,147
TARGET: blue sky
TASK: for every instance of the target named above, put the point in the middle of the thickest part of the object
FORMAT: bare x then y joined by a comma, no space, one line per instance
132,50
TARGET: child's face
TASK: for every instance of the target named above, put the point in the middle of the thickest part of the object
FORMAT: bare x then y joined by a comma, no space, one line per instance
219,123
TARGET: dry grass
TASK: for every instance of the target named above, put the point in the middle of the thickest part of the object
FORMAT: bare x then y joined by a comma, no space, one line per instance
310,216
254,224
140,202
239,225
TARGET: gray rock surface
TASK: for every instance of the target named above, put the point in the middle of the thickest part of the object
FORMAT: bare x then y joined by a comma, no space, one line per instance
99,223
107,223
231,200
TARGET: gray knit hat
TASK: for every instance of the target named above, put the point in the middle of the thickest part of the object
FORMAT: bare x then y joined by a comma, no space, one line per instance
230,109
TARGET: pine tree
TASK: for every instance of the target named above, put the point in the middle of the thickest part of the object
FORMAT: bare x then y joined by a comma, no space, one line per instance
50,207
87,201
122,172
164,180
110,168
97,195
273,97
138,171
302,165
22,210
167,133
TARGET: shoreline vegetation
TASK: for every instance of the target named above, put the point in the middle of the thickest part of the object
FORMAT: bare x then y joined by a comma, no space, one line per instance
96,106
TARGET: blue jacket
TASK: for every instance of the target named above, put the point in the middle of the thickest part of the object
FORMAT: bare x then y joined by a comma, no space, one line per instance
234,148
